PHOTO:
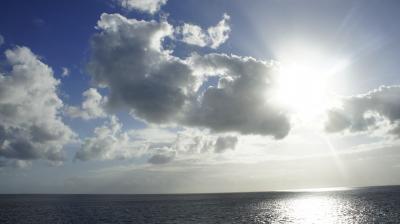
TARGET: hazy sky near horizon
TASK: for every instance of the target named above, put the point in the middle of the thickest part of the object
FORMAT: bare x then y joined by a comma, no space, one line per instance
170,96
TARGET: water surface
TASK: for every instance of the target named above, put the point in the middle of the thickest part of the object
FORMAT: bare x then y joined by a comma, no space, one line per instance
364,205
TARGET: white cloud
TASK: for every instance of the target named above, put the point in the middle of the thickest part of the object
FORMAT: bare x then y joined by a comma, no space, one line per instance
189,143
92,107
65,72
149,6
109,142
219,33
213,37
193,34
158,145
30,124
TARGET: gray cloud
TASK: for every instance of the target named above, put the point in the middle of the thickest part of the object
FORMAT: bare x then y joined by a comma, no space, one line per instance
127,57
225,142
149,6
30,125
241,101
213,37
364,112
162,158
14,163
1,40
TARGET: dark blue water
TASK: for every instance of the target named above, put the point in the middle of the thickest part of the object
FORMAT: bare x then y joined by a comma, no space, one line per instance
366,205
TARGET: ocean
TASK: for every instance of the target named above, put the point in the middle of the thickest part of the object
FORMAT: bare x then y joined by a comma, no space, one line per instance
362,205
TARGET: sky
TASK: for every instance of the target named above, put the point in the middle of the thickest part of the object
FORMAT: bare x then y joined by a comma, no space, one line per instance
170,96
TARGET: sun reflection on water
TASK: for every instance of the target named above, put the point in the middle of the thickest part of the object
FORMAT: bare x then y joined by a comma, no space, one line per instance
308,209
313,209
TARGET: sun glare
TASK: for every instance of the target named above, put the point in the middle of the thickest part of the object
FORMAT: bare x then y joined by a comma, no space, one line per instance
301,88
303,84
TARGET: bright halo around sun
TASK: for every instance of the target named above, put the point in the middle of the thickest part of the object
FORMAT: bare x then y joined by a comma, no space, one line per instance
303,84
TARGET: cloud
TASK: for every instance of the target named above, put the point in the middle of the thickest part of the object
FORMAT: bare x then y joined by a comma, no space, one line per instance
65,72
157,145
162,158
38,22
109,142
149,6
366,112
1,40
14,163
92,107
213,37
128,59
224,143
187,144
30,122
242,100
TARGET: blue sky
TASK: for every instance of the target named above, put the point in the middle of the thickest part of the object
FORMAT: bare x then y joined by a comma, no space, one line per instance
238,96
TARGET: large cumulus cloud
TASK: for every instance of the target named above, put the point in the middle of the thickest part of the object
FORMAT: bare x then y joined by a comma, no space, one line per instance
242,100
367,111
128,58
30,124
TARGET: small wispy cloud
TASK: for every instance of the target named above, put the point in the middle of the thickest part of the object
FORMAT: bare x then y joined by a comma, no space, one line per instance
65,72
213,37
149,6
1,40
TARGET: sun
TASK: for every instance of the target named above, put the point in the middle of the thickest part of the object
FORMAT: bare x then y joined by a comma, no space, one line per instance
302,88
304,84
